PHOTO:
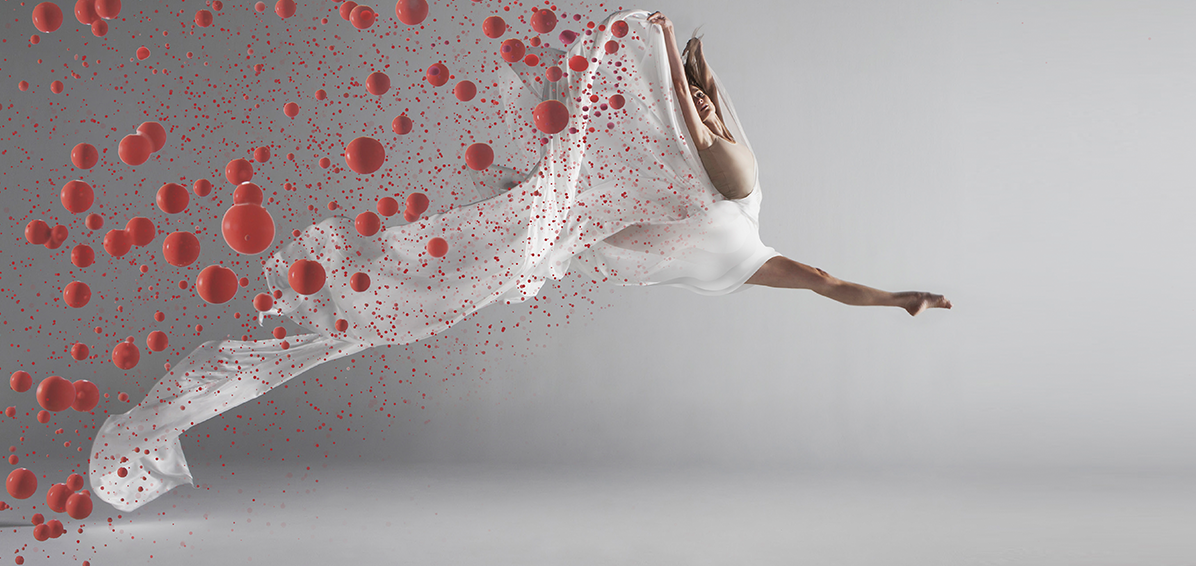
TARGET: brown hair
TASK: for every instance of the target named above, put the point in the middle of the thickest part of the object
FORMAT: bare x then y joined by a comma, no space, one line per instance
697,73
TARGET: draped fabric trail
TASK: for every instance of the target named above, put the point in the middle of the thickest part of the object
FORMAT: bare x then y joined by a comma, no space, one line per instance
629,205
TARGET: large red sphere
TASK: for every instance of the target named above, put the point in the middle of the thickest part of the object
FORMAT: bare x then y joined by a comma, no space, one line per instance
543,21
388,206
108,9
126,355
238,171
365,155
56,497
437,247
248,193
77,196
55,393
202,187
79,506
377,83
76,294
117,242
135,149
411,12
512,50
85,11
494,27
84,156
80,351
465,91
157,341
367,223
173,198
401,124
155,132
22,483
284,8
306,277
362,17
479,156
551,116
248,228
263,302
87,395
142,230
619,28
37,232
47,17
417,202
203,18
20,381
216,284
359,281
437,74
180,249
83,256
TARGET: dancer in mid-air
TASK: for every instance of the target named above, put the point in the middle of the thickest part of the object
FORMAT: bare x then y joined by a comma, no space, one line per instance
622,196
732,169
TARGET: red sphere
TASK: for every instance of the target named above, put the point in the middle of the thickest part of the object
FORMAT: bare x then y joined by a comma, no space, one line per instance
248,193
346,9
368,223
290,109
388,206
362,17
261,154
619,28
551,116
263,302
37,232
247,228
77,196
579,63
216,284
79,506
20,381
47,17
126,355
84,156
417,202
611,46
437,247
365,155
203,18
99,28
479,156
173,198
437,74
85,11
543,21
617,101
117,242
87,395
465,91
238,171
377,83
56,497
58,235
80,351
553,73
306,277
284,8
512,50
108,9
180,249
153,130
359,282
142,230
135,149
21,484
76,294
401,124
202,187
157,341
83,256
75,482
94,221
494,27
55,393
411,12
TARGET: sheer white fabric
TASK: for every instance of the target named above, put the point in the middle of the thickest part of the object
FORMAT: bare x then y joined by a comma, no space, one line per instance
628,205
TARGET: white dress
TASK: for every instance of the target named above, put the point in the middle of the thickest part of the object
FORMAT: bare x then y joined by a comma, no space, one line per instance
628,205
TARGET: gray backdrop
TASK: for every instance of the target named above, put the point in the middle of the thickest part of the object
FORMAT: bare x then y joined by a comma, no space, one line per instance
1028,160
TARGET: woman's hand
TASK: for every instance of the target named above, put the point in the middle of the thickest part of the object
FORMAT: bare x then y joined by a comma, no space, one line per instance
658,18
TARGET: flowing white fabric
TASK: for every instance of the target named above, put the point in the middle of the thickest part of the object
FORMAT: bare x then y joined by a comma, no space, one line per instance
628,205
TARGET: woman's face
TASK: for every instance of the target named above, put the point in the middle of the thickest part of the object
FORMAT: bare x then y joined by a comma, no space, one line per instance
702,103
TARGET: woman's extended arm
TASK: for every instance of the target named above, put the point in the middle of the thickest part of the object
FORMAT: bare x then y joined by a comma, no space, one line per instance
701,135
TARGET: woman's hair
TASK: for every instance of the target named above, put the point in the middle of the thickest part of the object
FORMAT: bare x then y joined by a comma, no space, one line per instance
698,73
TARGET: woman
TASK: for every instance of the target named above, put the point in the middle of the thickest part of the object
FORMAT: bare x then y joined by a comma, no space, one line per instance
619,196
732,169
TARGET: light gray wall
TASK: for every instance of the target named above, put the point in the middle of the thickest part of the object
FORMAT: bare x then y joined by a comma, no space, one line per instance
1029,160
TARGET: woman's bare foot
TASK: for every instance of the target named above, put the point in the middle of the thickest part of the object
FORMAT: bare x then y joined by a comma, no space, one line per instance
919,301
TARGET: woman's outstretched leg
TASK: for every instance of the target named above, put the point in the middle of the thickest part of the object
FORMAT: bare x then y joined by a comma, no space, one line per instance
784,273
